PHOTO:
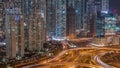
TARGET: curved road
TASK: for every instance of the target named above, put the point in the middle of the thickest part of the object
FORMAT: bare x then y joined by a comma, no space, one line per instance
74,58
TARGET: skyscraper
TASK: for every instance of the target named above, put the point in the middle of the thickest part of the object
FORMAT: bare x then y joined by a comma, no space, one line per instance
80,12
61,18
14,29
51,17
70,20
2,35
91,17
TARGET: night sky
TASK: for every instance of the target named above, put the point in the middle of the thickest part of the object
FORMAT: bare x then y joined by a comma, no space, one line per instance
115,5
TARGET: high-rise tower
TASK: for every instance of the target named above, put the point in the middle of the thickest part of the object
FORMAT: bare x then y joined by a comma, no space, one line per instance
70,19
35,24
14,29
61,18
51,17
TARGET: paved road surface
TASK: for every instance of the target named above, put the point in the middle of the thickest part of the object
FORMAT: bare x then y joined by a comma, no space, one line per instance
74,58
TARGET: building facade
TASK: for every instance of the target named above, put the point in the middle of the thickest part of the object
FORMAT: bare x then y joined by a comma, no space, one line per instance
2,29
14,29
65,18
70,20
91,18
25,26
51,17
61,18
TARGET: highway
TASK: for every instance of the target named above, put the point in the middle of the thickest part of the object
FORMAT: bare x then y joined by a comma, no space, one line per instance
75,58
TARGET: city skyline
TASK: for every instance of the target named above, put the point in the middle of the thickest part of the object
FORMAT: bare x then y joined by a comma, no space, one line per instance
59,34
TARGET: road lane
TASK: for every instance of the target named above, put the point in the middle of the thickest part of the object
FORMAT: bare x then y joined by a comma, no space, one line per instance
77,57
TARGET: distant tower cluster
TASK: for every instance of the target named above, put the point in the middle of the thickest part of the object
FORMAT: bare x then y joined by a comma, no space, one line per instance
72,16
68,16
95,18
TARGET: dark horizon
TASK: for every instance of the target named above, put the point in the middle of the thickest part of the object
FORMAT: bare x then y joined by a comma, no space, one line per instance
114,6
